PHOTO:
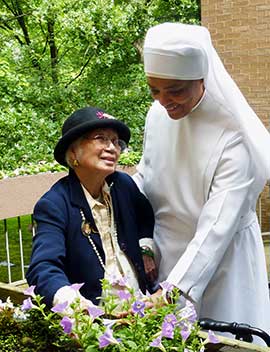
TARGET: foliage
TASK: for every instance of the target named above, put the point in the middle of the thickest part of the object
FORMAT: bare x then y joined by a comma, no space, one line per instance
89,328
129,158
31,332
58,56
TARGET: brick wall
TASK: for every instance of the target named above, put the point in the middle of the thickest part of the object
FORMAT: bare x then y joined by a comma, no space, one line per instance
240,31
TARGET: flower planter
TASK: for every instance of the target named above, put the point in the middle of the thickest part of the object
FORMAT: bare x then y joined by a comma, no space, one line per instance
13,291
232,345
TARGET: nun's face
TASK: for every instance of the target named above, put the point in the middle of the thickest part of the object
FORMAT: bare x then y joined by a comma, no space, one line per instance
177,96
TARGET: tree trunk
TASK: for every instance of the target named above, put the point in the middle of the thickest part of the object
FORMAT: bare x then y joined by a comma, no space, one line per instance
53,49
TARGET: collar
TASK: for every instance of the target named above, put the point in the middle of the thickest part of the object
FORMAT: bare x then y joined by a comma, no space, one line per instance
77,195
96,201
199,102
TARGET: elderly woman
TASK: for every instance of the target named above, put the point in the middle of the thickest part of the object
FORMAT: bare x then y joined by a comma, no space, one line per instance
93,223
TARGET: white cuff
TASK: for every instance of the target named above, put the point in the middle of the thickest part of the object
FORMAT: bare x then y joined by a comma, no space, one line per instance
149,242
68,294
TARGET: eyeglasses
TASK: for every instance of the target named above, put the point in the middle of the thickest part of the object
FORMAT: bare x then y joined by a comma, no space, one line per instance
105,142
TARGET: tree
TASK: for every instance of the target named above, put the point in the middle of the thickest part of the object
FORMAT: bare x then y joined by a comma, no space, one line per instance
61,55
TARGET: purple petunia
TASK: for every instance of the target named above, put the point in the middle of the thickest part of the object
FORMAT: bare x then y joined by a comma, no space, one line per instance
185,333
60,307
167,330
95,312
107,339
27,304
170,318
212,337
123,281
157,342
66,324
113,279
189,312
138,308
76,287
30,291
166,286
109,322
123,295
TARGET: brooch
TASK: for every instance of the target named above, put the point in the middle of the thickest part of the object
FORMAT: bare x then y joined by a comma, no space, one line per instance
87,229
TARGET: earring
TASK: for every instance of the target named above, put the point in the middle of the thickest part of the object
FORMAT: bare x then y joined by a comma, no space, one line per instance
75,163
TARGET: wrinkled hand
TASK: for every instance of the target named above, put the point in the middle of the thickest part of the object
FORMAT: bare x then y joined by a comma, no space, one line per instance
155,300
150,268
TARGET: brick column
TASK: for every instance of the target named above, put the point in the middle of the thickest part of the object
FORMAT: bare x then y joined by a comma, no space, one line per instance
240,31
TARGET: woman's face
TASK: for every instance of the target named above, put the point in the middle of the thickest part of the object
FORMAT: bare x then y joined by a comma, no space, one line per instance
177,96
97,152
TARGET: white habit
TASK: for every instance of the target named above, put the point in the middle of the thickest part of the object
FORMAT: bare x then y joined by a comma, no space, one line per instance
200,179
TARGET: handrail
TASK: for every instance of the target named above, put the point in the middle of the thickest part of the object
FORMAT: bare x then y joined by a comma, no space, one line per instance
241,331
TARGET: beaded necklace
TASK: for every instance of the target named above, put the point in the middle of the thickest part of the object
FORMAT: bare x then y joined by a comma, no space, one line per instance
87,231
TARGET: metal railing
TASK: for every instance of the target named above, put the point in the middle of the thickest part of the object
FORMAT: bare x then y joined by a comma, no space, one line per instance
17,199
19,236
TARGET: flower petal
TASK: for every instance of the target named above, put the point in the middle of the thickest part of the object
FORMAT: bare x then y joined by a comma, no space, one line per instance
60,307
30,291
76,287
66,324
212,337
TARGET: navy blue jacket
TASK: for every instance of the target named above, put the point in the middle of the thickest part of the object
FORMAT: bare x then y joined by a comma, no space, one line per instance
62,255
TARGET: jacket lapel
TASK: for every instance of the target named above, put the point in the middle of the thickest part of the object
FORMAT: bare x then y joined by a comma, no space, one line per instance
78,199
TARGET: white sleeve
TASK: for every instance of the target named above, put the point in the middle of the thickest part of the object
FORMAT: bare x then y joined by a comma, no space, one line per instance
138,176
69,295
218,222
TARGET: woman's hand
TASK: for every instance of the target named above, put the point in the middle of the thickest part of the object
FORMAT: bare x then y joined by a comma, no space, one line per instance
150,267
156,299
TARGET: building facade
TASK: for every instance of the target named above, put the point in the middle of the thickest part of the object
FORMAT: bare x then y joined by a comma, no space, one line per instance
240,31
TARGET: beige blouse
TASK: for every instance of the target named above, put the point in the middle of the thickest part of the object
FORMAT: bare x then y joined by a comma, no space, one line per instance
117,264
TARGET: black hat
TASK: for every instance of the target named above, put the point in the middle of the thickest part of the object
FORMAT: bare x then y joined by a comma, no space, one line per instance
82,121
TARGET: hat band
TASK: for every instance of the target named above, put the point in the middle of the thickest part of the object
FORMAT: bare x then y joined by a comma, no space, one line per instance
161,64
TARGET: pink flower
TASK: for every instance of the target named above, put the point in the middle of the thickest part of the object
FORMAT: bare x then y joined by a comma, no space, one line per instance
100,114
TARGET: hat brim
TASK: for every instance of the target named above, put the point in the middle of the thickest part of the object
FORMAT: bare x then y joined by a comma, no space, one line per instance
78,131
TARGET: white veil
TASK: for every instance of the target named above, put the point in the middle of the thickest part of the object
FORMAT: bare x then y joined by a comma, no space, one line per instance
181,51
